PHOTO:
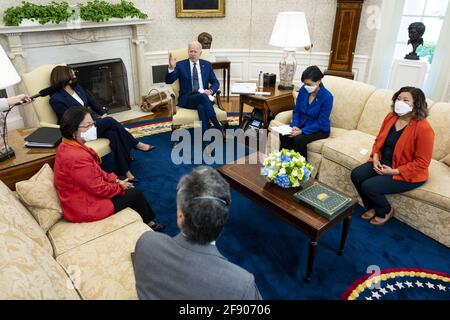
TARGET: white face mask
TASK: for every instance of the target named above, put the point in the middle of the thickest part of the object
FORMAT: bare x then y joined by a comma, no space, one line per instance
401,108
310,89
90,134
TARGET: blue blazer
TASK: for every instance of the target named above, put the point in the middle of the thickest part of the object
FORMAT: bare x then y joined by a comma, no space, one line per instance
182,72
61,101
315,117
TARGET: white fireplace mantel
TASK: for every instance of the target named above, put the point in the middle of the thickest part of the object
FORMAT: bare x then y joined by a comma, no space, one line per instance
73,26
29,46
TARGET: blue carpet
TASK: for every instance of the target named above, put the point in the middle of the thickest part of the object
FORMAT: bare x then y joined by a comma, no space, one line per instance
275,252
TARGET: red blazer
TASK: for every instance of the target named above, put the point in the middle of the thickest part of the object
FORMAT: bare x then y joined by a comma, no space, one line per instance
83,188
413,151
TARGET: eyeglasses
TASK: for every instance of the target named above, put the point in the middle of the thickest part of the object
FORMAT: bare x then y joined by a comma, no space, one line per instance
88,126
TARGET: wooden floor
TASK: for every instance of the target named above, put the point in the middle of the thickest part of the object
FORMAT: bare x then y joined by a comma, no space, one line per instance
231,106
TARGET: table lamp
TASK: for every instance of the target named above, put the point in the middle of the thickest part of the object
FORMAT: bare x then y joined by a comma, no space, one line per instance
8,77
289,32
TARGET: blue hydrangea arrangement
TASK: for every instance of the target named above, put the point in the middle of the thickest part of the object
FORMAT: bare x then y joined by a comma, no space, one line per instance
286,168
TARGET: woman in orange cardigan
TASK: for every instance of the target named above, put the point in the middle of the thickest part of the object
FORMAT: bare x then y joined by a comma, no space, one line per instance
400,155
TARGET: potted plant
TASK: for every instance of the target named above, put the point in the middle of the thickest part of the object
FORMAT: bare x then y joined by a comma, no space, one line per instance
286,168
57,12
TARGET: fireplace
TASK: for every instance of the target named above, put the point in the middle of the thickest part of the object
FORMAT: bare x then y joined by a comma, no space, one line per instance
106,81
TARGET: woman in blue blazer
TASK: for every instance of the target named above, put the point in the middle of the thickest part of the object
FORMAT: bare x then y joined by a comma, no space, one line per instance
311,116
71,94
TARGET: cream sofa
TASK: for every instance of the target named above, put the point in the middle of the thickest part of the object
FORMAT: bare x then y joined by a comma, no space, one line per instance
43,256
358,112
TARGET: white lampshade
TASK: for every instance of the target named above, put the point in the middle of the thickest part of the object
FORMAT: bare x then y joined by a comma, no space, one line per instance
290,31
8,74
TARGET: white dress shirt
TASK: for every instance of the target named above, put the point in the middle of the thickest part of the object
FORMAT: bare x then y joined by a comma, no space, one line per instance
77,97
199,71
200,82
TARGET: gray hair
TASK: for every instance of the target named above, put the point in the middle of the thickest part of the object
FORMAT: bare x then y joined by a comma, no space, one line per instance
204,198
196,44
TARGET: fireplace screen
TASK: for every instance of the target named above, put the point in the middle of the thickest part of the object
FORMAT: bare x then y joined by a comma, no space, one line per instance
106,81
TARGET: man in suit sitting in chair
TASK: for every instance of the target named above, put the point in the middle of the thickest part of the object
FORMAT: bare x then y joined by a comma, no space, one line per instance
195,76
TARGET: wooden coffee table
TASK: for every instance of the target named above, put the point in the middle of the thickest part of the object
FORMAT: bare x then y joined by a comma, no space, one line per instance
246,178
26,162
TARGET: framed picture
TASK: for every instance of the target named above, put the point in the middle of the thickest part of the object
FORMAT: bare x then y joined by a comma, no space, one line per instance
200,8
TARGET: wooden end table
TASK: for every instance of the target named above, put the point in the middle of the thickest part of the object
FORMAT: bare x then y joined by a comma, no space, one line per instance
246,178
26,162
278,101
225,64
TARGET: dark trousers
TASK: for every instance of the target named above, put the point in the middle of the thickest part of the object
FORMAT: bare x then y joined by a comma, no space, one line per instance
373,187
299,143
134,199
121,141
205,109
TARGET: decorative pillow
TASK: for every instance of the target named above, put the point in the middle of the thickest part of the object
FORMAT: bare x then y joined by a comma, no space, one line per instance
39,196
446,160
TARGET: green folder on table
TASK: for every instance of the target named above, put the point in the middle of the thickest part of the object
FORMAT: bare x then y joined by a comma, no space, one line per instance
323,200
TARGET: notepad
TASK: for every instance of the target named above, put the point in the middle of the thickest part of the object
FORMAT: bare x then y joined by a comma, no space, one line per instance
244,88
284,130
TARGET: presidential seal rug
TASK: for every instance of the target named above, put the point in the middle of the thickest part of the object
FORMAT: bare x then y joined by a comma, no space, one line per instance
401,284
150,127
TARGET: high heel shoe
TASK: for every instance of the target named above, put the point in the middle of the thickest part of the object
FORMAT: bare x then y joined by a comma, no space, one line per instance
388,217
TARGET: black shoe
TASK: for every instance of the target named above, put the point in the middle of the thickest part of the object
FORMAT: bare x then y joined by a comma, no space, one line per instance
157,227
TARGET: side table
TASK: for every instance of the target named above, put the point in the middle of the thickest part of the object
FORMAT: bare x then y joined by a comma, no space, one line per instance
225,64
278,101
27,161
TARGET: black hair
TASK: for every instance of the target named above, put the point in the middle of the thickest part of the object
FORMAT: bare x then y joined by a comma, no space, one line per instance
420,107
204,198
71,120
312,73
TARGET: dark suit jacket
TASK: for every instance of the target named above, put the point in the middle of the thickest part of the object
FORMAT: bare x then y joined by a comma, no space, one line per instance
176,269
61,101
182,73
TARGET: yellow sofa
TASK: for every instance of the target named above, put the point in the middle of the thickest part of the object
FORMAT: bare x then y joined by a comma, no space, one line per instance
358,112
69,261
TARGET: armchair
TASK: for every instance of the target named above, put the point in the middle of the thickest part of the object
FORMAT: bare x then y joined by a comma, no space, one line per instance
40,78
183,116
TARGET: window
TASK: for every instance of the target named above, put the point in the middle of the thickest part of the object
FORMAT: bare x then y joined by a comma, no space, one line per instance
432,14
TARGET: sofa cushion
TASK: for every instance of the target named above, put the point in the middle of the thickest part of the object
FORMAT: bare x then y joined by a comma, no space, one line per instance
350,150
439,119
446,159
28,272
317,146
66,235
350,97
39,195
104,264
14,214
281,118
436,191
375,110
188,116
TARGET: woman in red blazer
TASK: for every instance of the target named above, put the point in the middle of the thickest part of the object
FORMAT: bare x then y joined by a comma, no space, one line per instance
400,155
86,192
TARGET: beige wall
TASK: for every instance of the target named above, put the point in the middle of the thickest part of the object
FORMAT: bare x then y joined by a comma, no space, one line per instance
247,25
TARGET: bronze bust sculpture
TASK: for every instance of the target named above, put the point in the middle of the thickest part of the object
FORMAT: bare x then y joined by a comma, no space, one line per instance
205,39
415,31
